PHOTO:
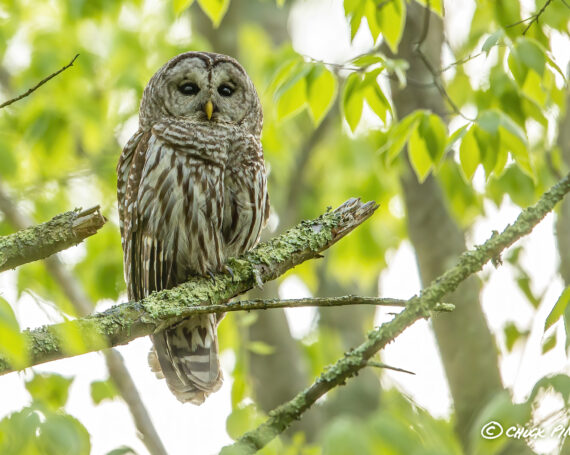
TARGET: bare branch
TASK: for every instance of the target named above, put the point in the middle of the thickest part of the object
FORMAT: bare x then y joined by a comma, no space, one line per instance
38,85
418,307
388,367
43,240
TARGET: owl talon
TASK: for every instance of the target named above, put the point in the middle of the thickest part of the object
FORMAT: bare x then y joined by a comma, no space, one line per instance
212,277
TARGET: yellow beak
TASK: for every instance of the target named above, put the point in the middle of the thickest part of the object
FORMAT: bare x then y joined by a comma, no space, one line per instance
209,109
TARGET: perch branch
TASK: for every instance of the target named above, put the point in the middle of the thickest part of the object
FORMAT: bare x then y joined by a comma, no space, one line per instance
43,240
416,308
38,85
125,322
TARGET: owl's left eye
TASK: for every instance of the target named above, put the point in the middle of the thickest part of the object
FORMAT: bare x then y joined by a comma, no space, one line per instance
188,88
225,90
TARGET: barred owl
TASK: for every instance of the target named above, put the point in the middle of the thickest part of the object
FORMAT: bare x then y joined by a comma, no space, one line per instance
191,193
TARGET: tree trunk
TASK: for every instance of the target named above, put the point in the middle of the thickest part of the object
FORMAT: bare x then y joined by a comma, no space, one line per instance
465,342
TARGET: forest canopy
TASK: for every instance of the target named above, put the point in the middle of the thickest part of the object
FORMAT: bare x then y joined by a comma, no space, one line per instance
450,116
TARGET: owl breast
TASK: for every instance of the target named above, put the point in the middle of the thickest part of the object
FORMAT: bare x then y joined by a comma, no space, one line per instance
181,200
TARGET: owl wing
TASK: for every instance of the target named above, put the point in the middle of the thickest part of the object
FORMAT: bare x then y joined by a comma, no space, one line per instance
170,208
129,169
246,207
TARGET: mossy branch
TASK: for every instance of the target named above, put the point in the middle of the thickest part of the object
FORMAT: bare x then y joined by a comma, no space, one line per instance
416,308
39,242
125,322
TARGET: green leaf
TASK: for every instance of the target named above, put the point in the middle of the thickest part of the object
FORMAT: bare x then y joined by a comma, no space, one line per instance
103,390
469,155
214,9
507,12
291,96
427,144
419,155
12,343
492,40
242,419
61,433
321,92
457,135
352,100
368,60
391,18
374,96
559,383
523,282
181,5
400,134
531,54
354,11
260,348
513,334
434,132
549,343
50,389
558,309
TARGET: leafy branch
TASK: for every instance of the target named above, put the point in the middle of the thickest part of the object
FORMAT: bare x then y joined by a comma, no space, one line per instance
43,240
125,322
416,308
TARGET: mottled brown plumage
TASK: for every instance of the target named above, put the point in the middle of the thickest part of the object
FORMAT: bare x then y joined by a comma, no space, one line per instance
192,193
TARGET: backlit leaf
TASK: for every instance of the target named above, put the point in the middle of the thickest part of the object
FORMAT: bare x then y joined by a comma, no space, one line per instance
391,18
214,9
321,92
352,100
469,155
558,309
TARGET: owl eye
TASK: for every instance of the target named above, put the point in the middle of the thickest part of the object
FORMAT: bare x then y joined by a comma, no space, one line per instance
225,90
188,88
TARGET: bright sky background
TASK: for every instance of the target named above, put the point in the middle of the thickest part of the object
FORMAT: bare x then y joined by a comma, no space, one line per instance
319,30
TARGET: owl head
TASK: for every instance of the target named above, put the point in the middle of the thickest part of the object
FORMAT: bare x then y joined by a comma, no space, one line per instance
202,87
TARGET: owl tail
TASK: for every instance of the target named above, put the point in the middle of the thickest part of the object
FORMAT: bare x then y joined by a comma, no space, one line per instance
186,355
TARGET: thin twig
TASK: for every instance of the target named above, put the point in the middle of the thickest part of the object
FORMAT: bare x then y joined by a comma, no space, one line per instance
439,86
534,18
38,85
435,74
371,363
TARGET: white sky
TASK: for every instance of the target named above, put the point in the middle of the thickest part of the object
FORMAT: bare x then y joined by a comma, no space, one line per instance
319,30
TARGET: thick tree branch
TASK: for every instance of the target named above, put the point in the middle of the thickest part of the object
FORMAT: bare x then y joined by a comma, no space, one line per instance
131,320
417,307
43,240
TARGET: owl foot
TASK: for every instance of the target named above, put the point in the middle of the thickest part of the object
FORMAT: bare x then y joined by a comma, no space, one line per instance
212,277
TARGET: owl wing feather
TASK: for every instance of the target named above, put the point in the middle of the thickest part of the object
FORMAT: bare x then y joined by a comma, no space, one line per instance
246,208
